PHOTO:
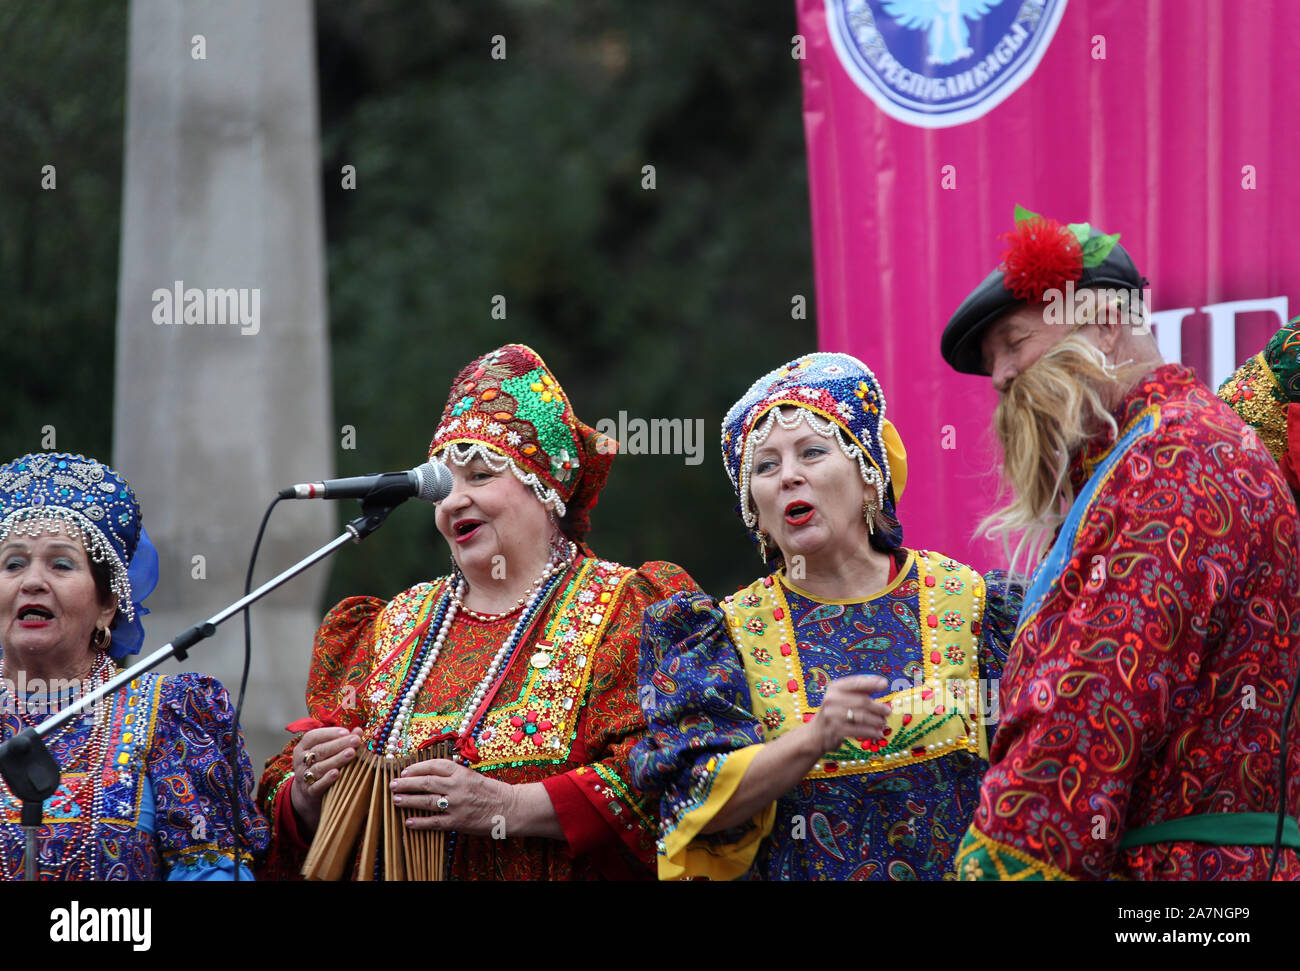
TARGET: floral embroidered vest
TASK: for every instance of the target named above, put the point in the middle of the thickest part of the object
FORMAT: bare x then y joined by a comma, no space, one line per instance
938,715
536,723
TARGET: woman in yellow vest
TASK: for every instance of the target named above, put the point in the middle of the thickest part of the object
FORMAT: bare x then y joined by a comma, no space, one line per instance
831,720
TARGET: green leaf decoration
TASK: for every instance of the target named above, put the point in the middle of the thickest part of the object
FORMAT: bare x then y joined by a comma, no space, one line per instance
1024,215
1081,232
1098,248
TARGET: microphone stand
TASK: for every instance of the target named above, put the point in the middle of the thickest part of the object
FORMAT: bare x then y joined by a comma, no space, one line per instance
33,773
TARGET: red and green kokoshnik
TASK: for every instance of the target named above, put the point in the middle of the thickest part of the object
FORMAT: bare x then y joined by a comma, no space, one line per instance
507,406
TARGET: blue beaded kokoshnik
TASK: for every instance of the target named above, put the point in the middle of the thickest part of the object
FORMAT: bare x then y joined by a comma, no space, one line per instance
85,494
840,398
90,501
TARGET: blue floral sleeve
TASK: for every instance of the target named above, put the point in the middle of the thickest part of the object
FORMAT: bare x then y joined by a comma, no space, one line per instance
696,701
1003,598
190,779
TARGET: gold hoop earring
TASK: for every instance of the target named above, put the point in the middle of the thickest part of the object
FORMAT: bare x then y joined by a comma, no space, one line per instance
101,638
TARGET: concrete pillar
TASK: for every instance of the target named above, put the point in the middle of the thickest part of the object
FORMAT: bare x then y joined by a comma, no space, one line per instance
222,193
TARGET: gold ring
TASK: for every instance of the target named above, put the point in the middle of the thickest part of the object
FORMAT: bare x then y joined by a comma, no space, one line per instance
309,759
309,776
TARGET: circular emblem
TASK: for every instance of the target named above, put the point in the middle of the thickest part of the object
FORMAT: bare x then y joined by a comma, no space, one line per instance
938,63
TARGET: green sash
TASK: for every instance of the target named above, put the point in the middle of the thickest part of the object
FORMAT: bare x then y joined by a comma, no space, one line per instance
1217,829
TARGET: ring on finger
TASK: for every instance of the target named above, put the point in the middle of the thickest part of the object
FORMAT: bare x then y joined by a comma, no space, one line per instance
309,777
443,804
309,759
848,716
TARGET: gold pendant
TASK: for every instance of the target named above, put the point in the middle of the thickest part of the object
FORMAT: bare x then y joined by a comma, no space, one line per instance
541,657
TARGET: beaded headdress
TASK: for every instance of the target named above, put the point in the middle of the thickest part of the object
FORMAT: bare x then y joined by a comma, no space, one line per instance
839,397
508,409
1265,392
94,504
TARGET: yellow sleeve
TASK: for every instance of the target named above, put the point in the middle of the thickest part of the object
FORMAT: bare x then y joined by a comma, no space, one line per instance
683,857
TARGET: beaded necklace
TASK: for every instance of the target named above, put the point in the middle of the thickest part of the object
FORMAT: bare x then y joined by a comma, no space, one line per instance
398,721
10,702
491,618
96,747
460,607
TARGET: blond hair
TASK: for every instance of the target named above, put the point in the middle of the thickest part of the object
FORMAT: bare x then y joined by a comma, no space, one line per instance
1047,414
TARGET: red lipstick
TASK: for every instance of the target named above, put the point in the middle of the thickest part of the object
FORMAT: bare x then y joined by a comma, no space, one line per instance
464,529
40,615
799,512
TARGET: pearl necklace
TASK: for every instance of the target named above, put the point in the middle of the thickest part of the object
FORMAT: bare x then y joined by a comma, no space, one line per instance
491,618
556,554
540,588
97,747
459,604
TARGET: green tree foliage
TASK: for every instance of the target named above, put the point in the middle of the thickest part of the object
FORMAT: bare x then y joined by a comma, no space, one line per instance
475,177
62,72
523,177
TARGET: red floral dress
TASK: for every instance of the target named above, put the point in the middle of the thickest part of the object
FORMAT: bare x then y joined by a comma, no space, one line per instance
568,723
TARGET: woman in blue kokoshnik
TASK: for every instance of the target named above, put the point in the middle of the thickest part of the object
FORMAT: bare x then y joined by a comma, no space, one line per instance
145,786
822,723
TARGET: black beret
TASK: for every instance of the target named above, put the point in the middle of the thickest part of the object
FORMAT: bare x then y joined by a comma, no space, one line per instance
960,344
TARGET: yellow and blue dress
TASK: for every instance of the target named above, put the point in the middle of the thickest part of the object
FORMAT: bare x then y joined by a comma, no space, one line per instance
721,679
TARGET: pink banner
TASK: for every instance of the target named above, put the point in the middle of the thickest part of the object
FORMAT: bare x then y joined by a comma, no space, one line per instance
1172,122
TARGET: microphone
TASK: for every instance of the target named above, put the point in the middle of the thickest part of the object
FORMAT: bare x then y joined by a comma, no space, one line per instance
431,482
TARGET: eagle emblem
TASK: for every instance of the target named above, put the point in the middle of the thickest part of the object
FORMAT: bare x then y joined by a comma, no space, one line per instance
944,21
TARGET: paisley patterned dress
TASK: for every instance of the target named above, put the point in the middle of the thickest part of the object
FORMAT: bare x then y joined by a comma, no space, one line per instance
155,797
1158,644
720,679
567,719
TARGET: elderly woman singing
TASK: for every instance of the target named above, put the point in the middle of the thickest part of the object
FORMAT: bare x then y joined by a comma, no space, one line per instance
144,793
525,655
822,723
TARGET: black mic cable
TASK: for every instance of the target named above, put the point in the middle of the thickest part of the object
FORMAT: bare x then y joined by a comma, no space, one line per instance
1282,773
236,817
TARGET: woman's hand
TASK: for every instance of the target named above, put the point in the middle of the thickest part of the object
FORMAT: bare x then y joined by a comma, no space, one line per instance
450,796
849,711
317,759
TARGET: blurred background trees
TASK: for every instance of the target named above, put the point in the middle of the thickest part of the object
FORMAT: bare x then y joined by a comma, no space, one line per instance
475,178
62,91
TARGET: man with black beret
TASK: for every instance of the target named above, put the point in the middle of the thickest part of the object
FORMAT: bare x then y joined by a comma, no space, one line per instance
1142,702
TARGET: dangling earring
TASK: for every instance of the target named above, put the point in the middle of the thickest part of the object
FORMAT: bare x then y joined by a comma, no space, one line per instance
869,510
762,544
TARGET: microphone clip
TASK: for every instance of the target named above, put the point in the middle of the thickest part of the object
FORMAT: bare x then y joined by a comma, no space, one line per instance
373,515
